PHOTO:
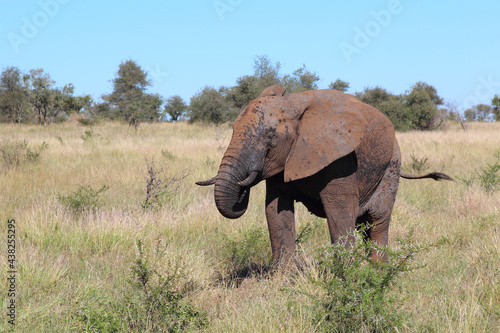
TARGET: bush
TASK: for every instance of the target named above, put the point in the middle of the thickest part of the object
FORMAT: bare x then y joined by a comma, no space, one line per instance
87,136
246,253
354,290
85,198
16,153
488,177
210,106
416,109
418,165
87,121
151,304
159,185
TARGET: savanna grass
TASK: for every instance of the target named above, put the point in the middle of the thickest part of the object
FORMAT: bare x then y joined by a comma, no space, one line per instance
66,260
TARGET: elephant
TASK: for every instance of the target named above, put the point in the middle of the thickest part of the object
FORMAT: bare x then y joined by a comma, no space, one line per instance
324,148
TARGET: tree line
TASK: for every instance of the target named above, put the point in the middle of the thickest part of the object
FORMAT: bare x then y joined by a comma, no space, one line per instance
33,97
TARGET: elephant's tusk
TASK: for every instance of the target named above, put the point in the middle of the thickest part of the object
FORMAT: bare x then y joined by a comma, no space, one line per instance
249,179
211,181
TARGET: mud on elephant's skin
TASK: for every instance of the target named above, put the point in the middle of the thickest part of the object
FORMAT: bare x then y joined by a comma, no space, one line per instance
326,149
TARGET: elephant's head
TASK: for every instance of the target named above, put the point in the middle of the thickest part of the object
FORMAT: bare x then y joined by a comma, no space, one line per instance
299,134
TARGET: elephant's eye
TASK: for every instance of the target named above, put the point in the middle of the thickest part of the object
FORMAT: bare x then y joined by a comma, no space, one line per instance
271,138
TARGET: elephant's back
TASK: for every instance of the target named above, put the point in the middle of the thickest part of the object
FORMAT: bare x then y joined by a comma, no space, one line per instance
335,99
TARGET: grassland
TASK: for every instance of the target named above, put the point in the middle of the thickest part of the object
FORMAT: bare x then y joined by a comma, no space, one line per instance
73,264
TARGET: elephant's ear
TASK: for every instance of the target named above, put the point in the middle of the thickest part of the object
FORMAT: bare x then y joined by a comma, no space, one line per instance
275,90
325,135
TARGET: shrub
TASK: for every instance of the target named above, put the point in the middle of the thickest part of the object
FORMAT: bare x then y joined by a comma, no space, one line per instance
86,121
151,304
418,165
246,253
16,153
354,290
87,136
488,177
99,314
159,184
84,198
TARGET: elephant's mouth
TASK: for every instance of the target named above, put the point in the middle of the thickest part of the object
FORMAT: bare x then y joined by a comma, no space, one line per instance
232,206
244,193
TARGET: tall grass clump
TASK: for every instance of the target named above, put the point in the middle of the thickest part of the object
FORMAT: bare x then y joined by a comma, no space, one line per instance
152,302
355,291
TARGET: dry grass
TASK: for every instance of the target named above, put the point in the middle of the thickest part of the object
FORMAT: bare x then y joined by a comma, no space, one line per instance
63,258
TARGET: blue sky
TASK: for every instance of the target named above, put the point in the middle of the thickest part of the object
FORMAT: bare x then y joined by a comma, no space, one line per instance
186,45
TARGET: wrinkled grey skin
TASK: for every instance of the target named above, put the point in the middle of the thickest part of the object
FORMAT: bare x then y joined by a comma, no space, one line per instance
326,149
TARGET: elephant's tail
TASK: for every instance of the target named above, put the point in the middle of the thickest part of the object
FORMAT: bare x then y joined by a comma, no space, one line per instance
433,175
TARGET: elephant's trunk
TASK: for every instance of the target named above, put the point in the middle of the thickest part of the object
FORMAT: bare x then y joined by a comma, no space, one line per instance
232,184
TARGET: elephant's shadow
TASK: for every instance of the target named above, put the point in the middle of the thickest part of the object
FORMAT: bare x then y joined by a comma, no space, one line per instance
233,278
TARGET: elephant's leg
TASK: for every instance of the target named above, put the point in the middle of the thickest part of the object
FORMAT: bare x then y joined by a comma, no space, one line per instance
280,221
381,204
378,232
341,203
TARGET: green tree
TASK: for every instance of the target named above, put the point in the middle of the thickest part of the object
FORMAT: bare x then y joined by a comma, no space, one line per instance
211,106
175,108
14,99
470,115
374,96
430,90
301,80
421,108
267,72
99,110
417,109
150,109
484,112
40,89
392,106
129,101
397,112
81,104
496,107
479,112
248,87
339,85
62,102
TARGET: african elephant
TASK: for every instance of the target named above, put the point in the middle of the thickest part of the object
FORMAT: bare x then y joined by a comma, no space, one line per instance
326,149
